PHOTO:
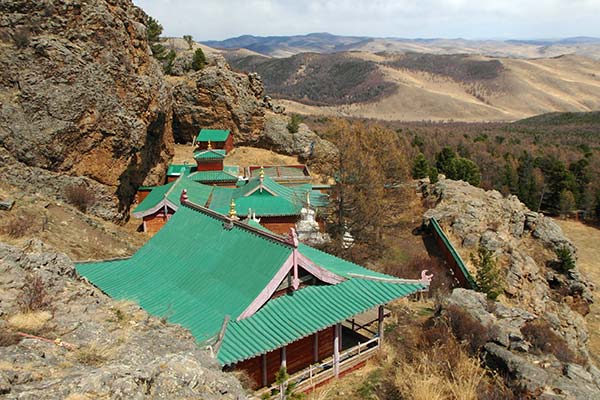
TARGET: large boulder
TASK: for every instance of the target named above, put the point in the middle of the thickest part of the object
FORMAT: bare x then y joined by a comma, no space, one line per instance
217,97
81,95
91,346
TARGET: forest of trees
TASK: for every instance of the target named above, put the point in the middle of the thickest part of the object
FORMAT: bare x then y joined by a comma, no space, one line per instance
551,162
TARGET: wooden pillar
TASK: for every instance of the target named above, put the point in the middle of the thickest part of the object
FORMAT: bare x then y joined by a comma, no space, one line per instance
316,347
264,369
336,350
380,324
283,357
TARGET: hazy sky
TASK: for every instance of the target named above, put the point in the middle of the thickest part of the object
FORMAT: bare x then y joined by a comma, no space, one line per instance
472,19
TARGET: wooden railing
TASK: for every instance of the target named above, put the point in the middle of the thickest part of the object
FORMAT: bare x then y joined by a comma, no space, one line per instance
313,376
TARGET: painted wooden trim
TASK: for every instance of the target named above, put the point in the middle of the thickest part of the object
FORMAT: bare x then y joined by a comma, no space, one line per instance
318,271
316,347
389,280
261,186
271,287
264,369
221,334
301,260
380,322
336,350
163,203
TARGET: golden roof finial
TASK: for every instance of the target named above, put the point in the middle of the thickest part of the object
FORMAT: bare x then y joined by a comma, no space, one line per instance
209,147
232,212
261,174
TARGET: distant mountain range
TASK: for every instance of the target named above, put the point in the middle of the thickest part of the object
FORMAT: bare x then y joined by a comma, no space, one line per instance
285,46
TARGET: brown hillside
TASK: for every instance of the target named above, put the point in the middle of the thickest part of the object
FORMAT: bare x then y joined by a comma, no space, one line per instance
429,86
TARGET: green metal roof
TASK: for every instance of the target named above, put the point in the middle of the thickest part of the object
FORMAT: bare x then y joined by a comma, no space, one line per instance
214,135
212,176
268,199
178,169
209,154
193,271
232,169
196,271
288,318
170,193
457,258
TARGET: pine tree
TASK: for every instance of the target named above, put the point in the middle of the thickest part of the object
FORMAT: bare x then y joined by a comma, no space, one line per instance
199,60
489,279
190,42
433,175
420,168
444,161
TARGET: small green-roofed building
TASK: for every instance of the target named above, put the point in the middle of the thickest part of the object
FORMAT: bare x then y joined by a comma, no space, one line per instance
256,299
174,171
209,154
163,201
215,139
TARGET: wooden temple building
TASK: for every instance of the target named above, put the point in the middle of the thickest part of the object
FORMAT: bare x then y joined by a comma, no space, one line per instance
258,301
219,139
278,207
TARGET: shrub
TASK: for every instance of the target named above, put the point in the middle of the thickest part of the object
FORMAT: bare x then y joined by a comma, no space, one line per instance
565,260
22,37
30,322
19,225
294,123
433,175
489,279
80,196
544,339
420,167
92,355
466,328
199,60
188,39
8,337
33,296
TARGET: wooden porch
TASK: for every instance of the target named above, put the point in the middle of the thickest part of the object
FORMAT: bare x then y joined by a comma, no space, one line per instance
354,342
316,375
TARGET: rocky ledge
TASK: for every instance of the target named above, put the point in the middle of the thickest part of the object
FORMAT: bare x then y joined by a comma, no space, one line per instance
83,345
536,333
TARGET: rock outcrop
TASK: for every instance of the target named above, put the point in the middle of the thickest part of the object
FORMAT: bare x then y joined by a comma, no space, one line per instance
81,95
217,97
85,344
524,244
305,143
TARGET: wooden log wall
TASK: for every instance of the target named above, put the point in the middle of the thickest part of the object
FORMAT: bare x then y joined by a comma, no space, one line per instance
299,355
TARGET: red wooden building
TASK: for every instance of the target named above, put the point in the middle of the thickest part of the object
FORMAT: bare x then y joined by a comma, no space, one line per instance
219,139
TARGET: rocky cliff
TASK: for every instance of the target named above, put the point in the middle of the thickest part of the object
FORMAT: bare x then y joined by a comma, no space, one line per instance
83,102
80,95
84,345
217,97
536,333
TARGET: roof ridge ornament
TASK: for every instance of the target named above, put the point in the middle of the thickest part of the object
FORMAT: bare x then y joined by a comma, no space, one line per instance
184,196
232,211
292,238
209,146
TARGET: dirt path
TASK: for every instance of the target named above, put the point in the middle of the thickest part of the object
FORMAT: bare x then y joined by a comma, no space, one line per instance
587,240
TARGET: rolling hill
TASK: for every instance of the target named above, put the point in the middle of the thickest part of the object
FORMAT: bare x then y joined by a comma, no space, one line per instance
285,46
425,86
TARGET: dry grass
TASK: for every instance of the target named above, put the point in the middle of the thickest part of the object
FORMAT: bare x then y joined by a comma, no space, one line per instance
586,239
241,156
530,87
30,322
93,355
427,379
